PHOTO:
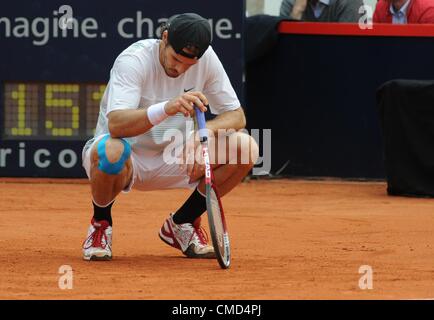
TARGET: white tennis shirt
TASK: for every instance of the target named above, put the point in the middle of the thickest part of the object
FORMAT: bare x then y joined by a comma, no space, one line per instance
137,80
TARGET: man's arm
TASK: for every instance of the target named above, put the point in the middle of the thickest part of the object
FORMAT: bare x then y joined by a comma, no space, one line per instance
133,122
222,97
381,7
285,8
128,123
293,9
234,119
427,16
298,9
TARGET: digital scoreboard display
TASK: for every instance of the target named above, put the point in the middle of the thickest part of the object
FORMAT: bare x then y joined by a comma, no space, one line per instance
44,111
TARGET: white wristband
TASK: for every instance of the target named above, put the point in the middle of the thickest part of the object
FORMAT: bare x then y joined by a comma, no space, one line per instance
156,113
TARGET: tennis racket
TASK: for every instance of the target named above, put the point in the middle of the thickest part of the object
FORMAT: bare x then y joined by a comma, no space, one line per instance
214,208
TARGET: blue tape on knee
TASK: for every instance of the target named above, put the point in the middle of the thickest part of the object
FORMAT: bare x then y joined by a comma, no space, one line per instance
112,167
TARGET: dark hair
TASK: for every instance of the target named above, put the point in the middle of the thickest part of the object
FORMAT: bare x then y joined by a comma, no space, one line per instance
163,27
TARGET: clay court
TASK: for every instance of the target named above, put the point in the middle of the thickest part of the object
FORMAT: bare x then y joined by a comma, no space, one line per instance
290,240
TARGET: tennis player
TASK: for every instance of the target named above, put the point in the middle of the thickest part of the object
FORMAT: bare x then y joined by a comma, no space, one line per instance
153,87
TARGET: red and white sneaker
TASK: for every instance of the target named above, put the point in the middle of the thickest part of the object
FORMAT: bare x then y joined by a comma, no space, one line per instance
98,244
190,238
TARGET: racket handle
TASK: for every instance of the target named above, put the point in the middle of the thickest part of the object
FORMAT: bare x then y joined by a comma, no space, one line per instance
200,116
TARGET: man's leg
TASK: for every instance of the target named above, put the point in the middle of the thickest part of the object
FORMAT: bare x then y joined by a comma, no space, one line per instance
107,183
240,153
110,172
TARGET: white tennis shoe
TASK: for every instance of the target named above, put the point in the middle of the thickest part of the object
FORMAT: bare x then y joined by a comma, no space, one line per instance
98,244
190,238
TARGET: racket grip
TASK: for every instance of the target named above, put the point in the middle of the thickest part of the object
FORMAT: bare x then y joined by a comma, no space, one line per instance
200,116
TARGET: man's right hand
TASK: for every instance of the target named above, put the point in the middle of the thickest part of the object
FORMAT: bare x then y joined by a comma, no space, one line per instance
298,9
185,104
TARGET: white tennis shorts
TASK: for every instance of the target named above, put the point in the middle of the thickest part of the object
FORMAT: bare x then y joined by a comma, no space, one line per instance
149,173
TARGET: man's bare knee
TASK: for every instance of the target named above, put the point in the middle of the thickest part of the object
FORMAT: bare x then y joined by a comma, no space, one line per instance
244,147
113,149
111,156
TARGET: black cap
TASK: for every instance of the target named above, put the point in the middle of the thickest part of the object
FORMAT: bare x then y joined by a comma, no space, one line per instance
189,30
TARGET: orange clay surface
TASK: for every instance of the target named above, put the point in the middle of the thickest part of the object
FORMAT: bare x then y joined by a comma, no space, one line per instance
290,240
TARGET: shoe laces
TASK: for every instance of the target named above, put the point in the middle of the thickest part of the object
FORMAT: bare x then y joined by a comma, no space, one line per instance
201,234
95,238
